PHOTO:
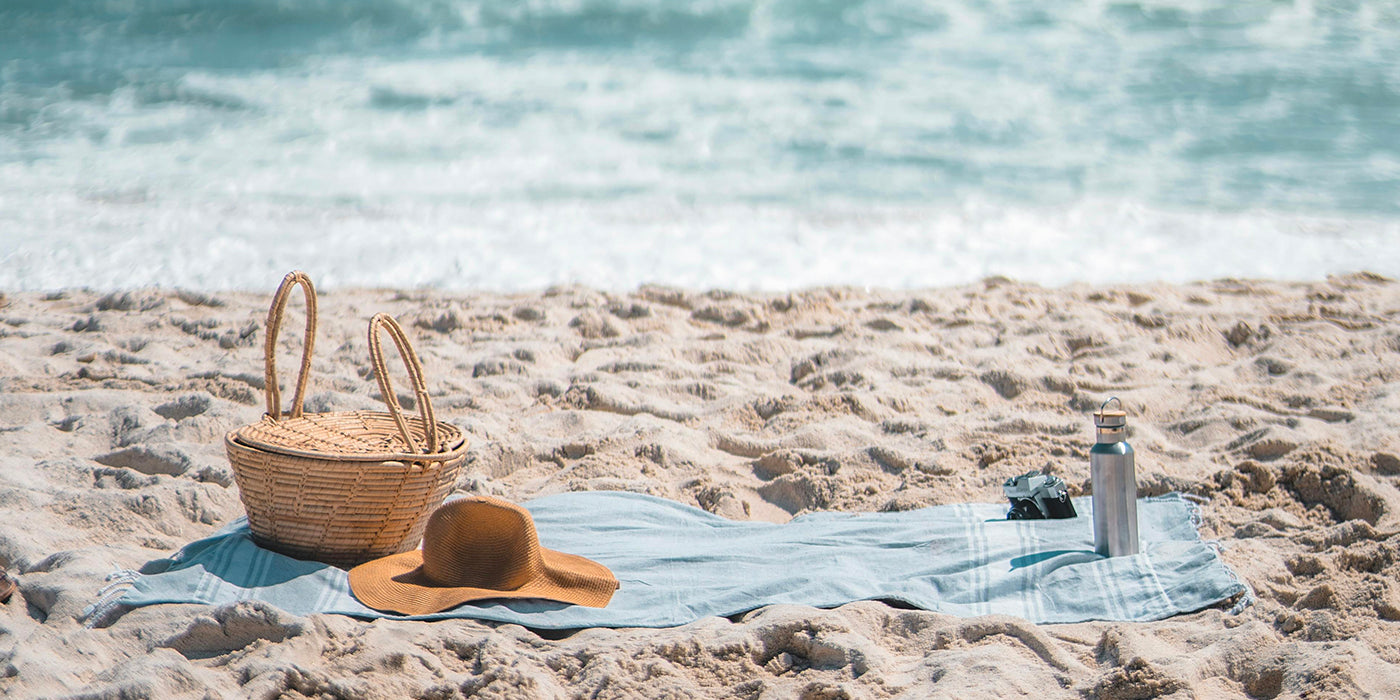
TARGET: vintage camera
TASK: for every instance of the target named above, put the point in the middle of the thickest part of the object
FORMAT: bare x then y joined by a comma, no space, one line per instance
1036,496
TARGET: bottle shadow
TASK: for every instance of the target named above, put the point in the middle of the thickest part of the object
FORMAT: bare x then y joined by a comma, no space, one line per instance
1038,557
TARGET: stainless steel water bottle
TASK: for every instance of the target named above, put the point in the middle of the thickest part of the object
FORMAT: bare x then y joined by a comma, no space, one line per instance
1115,484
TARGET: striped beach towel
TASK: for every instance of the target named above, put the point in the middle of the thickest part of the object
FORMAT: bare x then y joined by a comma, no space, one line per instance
677,564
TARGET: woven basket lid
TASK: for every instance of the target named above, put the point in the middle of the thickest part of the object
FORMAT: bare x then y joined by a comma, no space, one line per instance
355,436
360,436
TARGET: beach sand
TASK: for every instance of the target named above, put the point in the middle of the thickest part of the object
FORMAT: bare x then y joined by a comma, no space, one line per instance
1280,402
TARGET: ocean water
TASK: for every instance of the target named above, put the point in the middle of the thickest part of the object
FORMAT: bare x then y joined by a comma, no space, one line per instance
746,144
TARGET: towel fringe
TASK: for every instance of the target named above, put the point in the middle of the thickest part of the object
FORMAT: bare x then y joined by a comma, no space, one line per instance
118,583
1245,600
1195,508
1196,505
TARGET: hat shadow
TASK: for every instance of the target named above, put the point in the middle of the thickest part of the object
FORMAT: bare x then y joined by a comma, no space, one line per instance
519,605
416,577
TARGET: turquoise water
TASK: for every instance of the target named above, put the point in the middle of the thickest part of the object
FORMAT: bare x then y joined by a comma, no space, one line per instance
704,143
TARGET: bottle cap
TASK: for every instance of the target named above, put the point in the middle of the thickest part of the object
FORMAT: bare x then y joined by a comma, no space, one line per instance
1110,419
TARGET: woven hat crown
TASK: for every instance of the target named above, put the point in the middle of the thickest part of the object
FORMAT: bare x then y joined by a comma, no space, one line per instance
481,542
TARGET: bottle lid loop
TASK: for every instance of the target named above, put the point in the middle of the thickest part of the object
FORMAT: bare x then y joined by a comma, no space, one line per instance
1107,419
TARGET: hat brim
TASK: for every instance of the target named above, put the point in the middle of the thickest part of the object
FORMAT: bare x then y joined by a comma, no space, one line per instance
396,583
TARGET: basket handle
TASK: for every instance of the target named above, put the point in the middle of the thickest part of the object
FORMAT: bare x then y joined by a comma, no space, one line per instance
415,375
274,326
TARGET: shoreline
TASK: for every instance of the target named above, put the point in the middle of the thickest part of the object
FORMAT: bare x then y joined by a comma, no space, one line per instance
1278,400
196,292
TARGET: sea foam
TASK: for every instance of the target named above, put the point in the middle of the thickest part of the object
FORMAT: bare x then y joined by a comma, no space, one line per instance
714,143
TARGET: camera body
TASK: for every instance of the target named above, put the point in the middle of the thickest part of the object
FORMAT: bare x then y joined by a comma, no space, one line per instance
1037,496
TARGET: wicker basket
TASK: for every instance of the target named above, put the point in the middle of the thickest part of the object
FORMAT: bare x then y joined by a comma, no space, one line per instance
344,487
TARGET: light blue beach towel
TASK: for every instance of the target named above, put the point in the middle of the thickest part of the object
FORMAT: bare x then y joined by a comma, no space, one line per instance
677,564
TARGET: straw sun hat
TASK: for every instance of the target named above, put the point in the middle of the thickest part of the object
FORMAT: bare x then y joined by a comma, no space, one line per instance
476,548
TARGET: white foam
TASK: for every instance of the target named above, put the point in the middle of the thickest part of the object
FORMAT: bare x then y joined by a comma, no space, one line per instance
123,243
891,144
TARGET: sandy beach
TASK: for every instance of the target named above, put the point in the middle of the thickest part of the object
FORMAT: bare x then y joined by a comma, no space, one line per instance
1279,402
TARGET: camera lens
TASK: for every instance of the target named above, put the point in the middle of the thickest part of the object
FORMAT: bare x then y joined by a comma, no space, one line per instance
1024,509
